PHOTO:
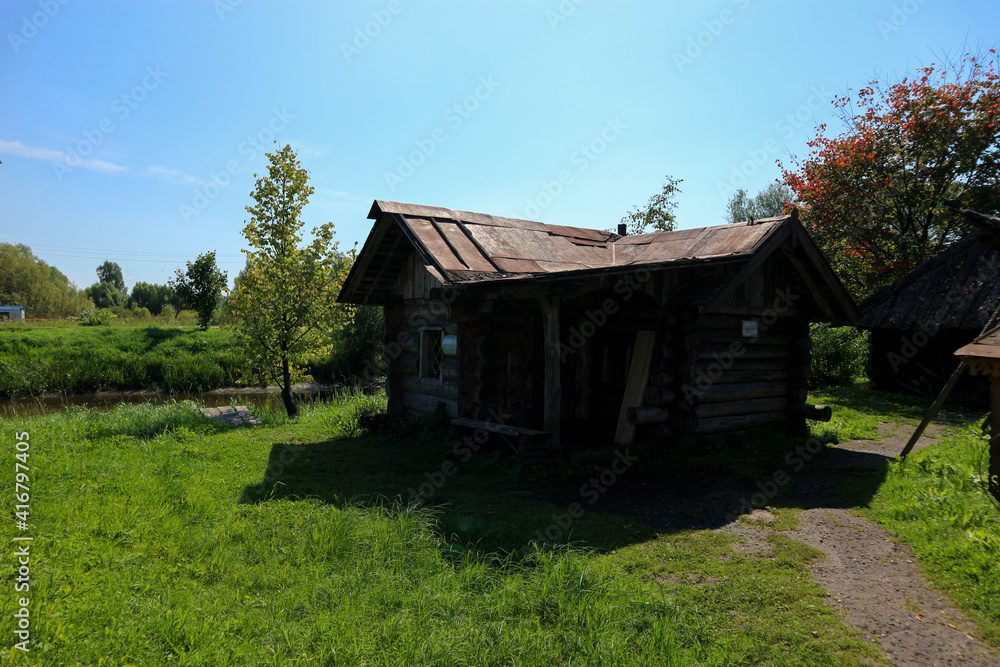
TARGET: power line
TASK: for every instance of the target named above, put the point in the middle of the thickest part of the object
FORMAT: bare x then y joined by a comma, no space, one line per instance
56,248
124,259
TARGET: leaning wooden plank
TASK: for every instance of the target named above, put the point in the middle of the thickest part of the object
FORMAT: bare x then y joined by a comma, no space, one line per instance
635,385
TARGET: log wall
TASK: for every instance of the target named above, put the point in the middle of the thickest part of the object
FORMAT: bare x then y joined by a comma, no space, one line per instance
408,392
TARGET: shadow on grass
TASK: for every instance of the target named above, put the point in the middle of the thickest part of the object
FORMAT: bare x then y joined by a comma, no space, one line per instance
894,406
491,504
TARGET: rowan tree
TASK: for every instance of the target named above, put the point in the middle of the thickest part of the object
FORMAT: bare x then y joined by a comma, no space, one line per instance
284,306
872,195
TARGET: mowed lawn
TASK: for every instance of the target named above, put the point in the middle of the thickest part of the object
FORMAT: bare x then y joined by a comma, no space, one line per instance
163,538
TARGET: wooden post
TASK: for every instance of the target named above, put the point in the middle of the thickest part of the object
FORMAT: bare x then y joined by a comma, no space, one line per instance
553,382
635,384
994,465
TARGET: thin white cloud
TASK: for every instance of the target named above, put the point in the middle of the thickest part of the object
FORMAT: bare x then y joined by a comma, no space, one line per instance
171,175
53,155
306,149
336,200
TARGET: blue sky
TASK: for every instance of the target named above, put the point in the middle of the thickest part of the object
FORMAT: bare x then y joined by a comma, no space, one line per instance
131,131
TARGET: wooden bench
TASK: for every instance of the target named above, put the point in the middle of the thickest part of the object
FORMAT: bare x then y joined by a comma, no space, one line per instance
531,445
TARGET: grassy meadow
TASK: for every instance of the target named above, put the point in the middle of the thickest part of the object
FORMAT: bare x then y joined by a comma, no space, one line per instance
164,538
76,359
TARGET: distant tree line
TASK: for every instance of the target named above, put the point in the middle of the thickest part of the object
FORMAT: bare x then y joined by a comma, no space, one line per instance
26,280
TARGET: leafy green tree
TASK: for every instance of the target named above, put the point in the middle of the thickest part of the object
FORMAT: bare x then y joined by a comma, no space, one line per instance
285,303
151,296
43,290
772,201
105,295
110,272
200,286
659,212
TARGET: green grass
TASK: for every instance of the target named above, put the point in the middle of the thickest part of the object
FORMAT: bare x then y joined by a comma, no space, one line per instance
39,360
165,538
937,503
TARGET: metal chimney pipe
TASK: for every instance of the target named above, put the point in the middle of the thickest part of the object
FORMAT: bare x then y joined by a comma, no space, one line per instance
622,229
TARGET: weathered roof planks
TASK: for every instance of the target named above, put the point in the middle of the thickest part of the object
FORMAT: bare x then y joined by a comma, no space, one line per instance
462,247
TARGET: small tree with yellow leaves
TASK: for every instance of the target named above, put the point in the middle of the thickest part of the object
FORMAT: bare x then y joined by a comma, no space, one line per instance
284,305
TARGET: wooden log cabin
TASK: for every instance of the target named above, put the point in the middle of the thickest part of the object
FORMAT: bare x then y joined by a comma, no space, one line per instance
575,337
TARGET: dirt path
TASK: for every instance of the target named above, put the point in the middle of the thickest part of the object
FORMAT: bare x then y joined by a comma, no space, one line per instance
872,580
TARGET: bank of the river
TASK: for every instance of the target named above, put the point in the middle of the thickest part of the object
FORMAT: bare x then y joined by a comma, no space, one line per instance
73,360
268,398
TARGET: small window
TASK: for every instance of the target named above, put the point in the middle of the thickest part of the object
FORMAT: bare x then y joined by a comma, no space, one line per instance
431,354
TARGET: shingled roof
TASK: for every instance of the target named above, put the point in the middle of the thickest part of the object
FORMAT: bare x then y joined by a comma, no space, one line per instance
957,289
463,248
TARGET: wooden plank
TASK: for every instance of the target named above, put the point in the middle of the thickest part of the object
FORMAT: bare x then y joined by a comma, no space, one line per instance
635,385
758,258
993,470
496,427
553,382
810,283
827,274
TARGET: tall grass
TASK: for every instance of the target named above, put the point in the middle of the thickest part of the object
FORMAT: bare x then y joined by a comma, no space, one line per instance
35,361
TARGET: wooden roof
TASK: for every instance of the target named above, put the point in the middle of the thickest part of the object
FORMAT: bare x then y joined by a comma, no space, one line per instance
983,354
987,346
464,248
957,289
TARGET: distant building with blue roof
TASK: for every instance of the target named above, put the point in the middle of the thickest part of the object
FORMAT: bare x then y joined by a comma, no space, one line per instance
15,313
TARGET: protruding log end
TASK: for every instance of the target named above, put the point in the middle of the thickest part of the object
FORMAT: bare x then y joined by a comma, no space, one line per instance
636,416
817,413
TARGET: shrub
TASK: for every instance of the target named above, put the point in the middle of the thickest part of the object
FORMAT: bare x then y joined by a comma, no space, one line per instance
96,317
168,313
187,318
839,355
356,351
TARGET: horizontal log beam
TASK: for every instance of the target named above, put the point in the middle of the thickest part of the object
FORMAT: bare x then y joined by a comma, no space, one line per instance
738,376
738,422
743,391
755,406
637,416
425,405
658,396
661,379
430,387
745,351
819,413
